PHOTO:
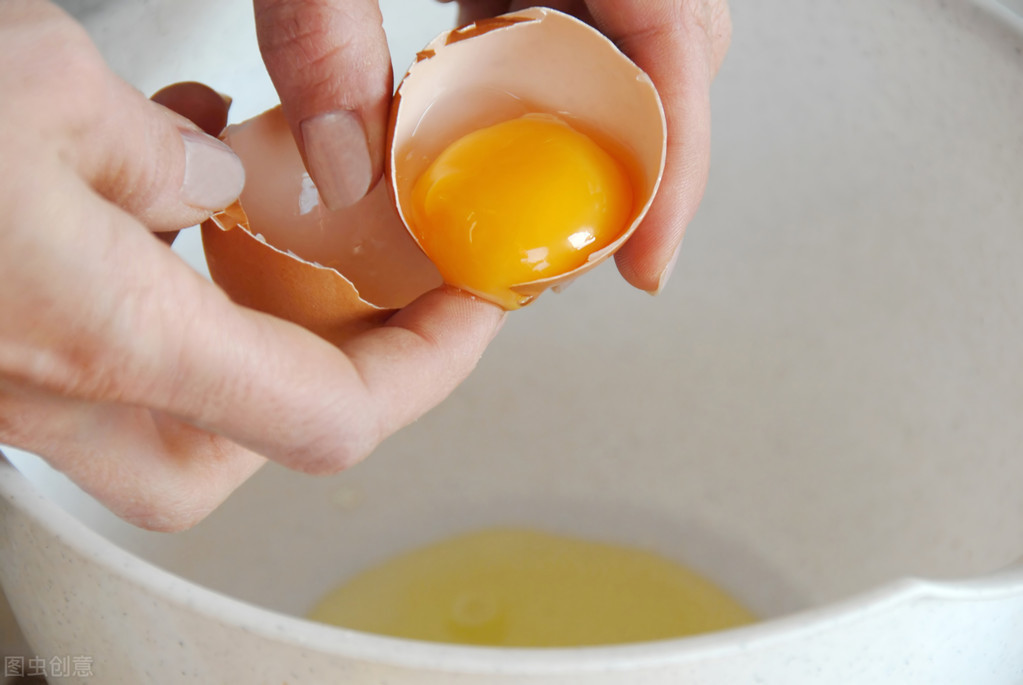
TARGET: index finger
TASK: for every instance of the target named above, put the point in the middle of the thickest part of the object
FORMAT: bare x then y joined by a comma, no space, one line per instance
680,46
331,66
400,370
294,398
153,333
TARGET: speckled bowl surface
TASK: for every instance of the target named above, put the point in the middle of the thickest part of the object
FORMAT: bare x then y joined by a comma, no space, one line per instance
821,413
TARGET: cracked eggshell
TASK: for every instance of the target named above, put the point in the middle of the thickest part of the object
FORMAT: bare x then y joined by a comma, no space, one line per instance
279,250
534,60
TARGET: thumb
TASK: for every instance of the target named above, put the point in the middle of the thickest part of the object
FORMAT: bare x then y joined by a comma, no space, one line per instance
72,111
144,158
158,165
330,64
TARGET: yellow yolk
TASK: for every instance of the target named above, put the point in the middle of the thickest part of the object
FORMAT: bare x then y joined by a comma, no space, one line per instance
523,588
520,201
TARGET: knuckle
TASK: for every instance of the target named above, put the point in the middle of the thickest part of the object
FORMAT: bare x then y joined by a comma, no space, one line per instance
92,362
303,43
335,451
712,21
292,28
721,35
164,515
73,371
84,368
57,68
169,506
315,462
136,185
17,426
197,473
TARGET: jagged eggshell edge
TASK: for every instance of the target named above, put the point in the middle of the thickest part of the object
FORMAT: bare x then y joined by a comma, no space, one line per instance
545,57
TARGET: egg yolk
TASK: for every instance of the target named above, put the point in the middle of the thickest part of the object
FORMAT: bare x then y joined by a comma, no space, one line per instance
520,201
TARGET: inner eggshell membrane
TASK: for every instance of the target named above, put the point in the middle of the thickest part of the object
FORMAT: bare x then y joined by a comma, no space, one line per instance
281,251
529,62
365,242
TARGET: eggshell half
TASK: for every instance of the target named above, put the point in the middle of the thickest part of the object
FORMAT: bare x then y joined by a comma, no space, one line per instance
534,60
280,251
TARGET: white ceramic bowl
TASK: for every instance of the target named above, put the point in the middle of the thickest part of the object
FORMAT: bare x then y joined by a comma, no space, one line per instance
822,412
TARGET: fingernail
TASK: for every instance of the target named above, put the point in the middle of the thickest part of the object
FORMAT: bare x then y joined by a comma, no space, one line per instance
662,281
338,157
214,176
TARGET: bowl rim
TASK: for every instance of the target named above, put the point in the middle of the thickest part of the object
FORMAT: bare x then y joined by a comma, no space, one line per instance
21,494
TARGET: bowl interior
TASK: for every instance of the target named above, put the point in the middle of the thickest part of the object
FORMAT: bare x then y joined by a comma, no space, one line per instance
826,397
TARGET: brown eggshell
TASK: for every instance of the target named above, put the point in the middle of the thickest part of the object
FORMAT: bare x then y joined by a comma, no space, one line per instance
257,275
534,60
280,251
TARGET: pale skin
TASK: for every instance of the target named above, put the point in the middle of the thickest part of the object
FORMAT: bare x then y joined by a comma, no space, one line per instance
139,379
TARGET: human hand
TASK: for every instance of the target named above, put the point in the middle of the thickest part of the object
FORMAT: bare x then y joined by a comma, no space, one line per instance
338,113
119,364
680,44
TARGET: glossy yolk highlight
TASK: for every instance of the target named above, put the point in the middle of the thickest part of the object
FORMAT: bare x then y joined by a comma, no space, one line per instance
520,201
